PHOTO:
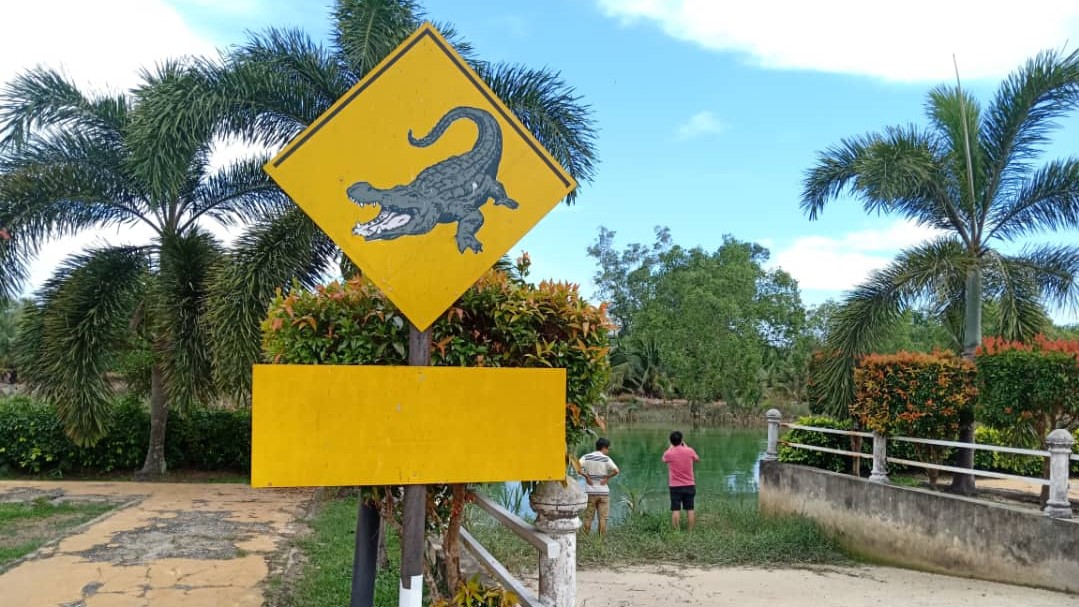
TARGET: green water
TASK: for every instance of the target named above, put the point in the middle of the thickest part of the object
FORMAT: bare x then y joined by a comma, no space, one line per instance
729,465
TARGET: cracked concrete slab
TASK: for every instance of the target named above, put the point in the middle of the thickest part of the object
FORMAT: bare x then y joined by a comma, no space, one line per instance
180,544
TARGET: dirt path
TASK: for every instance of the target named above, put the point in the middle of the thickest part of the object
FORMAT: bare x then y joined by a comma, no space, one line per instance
819,587
177,544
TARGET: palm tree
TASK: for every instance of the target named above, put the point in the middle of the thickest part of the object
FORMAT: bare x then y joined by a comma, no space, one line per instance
273,86
72,162
972,174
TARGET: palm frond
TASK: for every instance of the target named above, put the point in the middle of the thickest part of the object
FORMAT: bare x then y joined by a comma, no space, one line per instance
276,84
54,188
1048,199
918,275
1017,124
241,192
178,311
897,171
43,98
552,111
366,31
170,106
269,256
1041,273
1014,285
946,108
835,171
82,315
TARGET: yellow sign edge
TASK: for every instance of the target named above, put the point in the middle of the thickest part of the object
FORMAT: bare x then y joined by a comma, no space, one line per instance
425,30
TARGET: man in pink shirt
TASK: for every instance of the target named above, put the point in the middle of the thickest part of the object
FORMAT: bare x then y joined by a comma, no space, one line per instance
679,458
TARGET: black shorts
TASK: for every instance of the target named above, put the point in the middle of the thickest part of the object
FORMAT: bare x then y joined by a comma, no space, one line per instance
682,497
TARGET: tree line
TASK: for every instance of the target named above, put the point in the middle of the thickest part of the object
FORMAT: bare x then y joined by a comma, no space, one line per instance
719,325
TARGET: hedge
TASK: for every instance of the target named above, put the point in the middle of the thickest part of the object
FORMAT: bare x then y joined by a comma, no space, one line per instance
1023,465
32,439
817,459
1028,389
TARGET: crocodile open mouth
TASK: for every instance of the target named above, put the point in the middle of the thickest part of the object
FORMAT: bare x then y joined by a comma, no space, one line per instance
386,220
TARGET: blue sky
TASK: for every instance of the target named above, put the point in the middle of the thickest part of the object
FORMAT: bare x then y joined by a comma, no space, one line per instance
708,114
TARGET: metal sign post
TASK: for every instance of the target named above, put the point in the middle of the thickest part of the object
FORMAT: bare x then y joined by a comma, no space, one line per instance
415,520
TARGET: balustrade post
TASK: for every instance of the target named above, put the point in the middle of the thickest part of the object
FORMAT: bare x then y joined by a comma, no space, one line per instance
879,474
773,416
558,506
1060,444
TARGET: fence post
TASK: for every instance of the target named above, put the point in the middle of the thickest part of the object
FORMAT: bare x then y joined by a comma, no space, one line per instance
557,506
1060,449
774,417
879,474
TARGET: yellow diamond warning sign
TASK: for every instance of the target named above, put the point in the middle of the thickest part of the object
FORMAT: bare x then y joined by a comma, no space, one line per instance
422,176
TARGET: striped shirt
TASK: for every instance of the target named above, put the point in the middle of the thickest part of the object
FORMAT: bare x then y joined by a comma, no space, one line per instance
597,467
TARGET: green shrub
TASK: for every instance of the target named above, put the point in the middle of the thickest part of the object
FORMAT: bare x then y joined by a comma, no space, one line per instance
1027,390
32,440
1075,449
496,323
817,459
1023,465
210,439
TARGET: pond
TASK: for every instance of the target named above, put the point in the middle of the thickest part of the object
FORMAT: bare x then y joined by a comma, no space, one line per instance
729,465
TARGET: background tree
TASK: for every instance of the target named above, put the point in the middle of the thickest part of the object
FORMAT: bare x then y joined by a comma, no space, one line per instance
973,175
71,162
712,324
273,86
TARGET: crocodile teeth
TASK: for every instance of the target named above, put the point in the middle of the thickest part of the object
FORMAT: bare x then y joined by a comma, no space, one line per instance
386,220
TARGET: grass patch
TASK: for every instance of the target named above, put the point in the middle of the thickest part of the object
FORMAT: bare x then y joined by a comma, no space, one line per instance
906,481
25,527
729,532
326,579
172,476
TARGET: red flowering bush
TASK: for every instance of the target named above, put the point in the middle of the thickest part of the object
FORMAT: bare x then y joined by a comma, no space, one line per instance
914,394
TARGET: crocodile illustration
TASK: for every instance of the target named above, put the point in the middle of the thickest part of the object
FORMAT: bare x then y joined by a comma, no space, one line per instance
449,191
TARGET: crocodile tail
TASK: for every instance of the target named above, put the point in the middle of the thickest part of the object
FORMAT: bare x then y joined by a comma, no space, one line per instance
489,130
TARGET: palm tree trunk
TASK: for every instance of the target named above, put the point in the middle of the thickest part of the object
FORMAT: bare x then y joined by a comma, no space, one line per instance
154,466
963,484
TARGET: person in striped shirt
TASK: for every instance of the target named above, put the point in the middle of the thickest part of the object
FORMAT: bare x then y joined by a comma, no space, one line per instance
598,469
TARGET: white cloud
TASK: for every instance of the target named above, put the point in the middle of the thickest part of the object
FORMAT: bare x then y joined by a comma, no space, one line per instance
902,41
235,7
100,45
699,124
233,149
836,264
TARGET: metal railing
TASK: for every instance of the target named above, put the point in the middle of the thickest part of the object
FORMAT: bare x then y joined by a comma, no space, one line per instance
555,547
1059,452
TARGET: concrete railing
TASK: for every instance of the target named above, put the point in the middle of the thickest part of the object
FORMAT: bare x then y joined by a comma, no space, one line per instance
554,536
1058,449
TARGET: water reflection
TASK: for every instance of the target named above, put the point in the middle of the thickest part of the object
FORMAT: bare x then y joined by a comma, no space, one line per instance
730,464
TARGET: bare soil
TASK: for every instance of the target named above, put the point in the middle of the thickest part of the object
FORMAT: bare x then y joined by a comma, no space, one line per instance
862,586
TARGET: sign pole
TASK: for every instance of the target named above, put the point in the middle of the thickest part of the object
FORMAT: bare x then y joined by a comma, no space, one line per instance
365,560
415,509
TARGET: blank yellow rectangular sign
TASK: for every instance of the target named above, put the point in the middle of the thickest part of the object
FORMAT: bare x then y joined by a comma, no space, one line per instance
329,425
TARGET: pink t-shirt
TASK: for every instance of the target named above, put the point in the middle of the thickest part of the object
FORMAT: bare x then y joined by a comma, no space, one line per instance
680,465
